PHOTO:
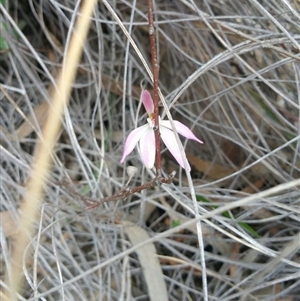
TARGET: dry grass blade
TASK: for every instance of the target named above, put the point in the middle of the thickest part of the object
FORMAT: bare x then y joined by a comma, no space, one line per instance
41,165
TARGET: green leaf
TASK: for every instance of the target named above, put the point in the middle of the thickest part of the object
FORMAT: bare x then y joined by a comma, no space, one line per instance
3,43
175,223
228,214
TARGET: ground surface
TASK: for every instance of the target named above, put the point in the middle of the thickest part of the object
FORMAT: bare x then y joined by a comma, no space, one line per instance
235,67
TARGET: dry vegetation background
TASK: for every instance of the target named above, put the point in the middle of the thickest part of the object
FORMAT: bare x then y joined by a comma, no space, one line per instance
235,67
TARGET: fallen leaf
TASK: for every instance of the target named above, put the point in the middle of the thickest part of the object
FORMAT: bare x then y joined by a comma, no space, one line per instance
211,170
148,259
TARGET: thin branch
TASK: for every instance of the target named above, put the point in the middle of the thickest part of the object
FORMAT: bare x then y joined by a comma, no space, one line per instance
125,191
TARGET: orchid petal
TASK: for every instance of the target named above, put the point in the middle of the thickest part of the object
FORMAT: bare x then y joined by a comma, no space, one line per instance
147,102
169,140
181,129
147,144
132,140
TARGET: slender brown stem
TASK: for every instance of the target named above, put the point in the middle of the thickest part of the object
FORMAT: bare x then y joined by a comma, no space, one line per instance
125,192
155,86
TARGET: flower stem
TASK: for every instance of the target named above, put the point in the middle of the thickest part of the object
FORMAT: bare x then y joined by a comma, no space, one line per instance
155,87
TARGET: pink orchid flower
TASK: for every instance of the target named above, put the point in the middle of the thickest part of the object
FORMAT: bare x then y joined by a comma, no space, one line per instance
145,135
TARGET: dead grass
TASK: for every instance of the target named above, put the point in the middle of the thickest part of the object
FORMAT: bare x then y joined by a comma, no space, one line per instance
230,71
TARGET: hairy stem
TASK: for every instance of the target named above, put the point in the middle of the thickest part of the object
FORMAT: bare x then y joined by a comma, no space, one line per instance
155,87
